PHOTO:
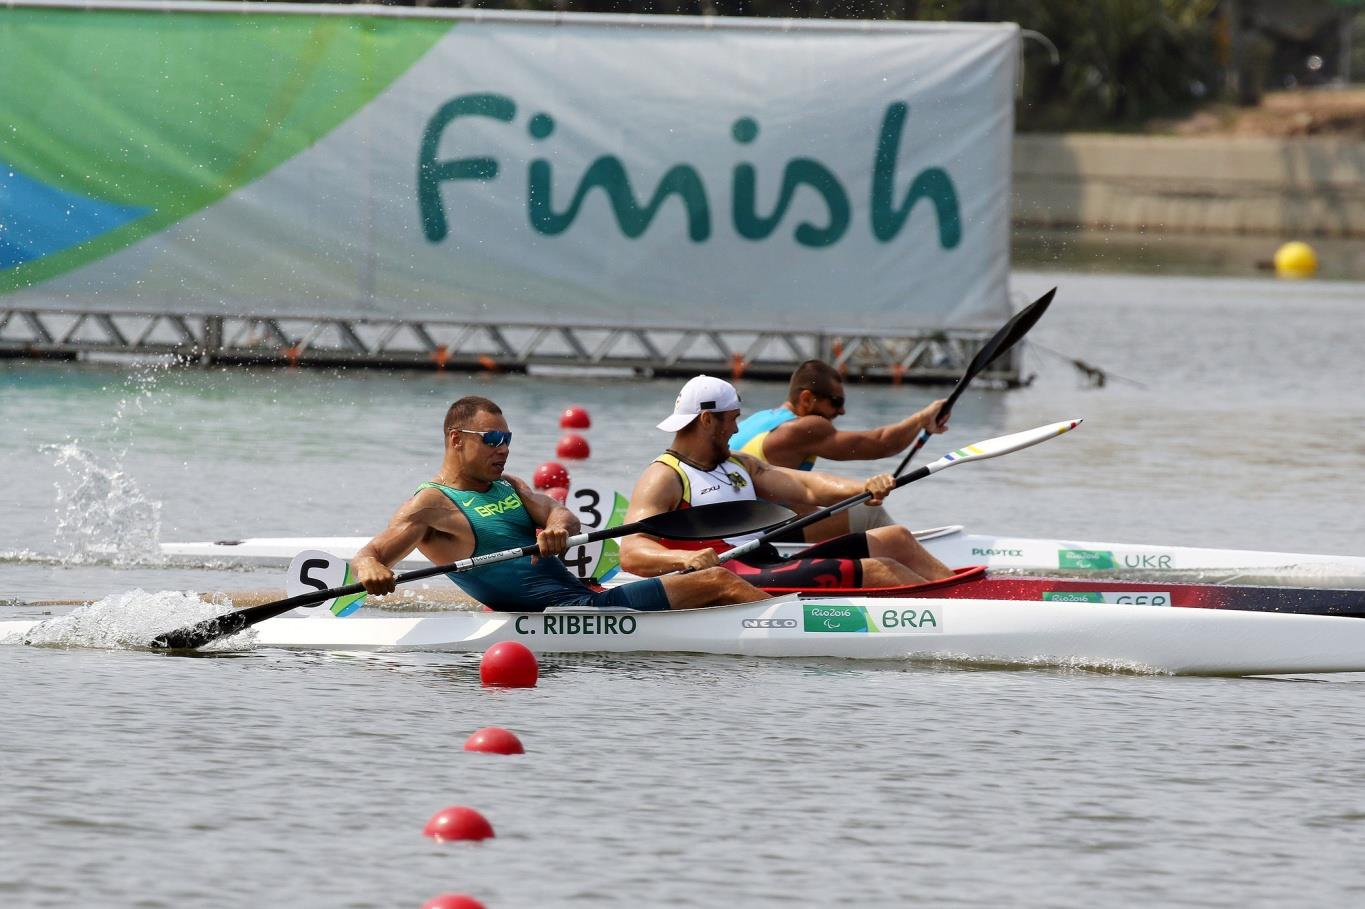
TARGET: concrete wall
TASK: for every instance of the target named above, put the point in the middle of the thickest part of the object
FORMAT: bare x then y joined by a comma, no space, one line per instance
1291,188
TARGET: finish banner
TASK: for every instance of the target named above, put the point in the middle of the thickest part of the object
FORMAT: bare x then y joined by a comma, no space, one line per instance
289,159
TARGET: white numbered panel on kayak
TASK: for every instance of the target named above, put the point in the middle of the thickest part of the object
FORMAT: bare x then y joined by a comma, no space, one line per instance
596,508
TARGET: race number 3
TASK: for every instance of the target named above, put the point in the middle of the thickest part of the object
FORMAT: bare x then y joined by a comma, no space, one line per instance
595,509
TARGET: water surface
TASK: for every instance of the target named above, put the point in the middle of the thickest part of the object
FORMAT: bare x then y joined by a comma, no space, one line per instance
1231,415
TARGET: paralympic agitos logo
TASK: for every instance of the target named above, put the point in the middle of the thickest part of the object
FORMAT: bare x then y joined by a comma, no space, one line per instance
887,215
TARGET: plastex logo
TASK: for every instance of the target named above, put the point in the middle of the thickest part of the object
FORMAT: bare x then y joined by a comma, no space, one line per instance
984,551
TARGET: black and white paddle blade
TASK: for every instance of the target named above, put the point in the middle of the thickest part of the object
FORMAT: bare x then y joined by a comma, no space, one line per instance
721,519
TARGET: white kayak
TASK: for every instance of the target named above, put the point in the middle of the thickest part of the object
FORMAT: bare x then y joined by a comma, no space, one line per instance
952,545
992,632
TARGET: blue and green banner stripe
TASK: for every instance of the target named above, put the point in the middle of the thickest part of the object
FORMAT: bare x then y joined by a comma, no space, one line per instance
119,123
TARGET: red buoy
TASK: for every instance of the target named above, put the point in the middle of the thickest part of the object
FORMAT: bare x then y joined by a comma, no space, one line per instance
574,418
452,901
558,493
509,664
572,446
457,823
494,740
549,475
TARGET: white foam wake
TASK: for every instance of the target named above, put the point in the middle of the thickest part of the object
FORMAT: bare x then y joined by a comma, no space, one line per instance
132,620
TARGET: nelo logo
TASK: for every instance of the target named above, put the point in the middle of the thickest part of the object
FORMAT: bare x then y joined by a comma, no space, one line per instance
769,623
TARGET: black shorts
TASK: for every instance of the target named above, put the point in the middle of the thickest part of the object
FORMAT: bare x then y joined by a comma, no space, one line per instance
836,562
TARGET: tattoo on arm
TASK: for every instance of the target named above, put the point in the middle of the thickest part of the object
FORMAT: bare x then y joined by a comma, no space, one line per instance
754,465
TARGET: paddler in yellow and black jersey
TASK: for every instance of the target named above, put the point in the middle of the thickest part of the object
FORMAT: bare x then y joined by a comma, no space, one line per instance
801,429
699,468
470,508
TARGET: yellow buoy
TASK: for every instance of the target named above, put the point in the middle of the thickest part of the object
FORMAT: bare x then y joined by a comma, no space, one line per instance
1296,260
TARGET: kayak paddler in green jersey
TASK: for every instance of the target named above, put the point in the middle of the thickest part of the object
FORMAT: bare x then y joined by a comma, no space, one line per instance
802,429
472,508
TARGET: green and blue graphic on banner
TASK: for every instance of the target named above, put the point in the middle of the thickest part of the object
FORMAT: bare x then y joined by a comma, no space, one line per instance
158,114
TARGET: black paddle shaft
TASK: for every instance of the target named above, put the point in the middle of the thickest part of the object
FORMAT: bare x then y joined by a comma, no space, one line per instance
806,520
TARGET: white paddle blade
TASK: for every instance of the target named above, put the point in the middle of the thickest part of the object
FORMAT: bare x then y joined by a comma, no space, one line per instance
994,448
314,570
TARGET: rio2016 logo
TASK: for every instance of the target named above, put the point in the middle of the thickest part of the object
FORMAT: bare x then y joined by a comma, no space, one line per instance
608,173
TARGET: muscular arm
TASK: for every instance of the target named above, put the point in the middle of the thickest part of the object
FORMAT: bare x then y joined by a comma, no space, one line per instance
658,490
418,518
808,487
557,522
790,444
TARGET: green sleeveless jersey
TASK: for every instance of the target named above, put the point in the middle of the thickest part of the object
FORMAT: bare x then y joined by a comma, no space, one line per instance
500,522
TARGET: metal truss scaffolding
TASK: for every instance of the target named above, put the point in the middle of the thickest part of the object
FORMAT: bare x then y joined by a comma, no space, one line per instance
911,356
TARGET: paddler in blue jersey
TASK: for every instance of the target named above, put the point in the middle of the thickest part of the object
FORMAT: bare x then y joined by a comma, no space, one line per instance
471,508
700,468
802,429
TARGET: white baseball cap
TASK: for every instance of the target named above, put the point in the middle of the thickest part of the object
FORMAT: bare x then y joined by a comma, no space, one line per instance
699,394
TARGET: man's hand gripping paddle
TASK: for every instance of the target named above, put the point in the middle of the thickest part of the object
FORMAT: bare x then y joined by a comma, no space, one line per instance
998,343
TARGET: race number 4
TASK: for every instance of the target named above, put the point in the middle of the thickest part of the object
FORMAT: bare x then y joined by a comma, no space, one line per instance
596,509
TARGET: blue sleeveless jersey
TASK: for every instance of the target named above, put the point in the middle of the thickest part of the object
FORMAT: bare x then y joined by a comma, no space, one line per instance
500,522
754,429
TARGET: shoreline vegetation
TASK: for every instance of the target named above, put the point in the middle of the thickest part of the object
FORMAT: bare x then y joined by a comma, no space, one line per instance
1183,67
1335,112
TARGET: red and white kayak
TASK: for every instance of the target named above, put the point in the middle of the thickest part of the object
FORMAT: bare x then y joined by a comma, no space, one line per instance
980,583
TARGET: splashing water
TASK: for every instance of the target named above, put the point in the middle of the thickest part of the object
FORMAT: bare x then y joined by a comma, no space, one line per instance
102,516
131,619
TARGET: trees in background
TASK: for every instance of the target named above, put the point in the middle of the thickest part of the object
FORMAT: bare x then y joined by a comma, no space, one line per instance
1118,63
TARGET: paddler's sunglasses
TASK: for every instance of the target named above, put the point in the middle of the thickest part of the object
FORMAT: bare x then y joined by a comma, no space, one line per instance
836,400
494,438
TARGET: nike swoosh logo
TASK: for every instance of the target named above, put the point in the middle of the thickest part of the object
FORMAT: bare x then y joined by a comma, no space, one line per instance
467,504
